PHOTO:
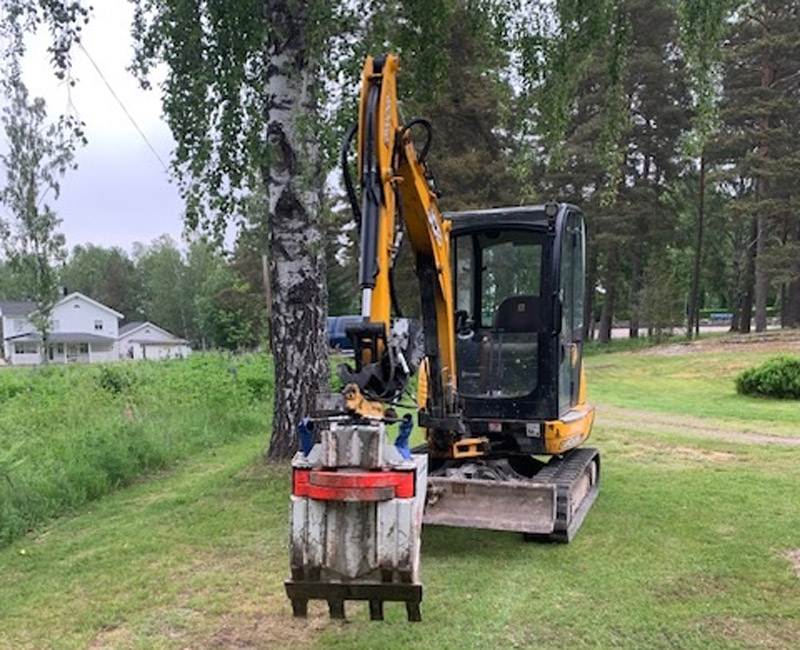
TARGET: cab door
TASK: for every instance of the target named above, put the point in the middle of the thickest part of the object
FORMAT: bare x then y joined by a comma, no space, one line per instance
571,293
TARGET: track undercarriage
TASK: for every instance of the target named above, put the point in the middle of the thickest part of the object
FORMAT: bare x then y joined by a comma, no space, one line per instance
543,500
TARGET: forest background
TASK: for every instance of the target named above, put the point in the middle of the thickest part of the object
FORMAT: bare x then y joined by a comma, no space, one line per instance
677,134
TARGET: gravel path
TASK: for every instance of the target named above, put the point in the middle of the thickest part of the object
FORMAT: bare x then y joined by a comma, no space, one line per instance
623,418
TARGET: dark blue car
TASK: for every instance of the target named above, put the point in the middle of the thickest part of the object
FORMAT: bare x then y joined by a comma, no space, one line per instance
337,338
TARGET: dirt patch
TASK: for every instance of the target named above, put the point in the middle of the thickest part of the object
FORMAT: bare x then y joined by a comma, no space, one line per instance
111,637
660,452
794,559
270,631
614,416
703,455
755,631
777,342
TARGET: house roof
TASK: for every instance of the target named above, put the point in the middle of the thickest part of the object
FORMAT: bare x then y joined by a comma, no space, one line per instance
130,327
61,337
136,326
100,305
16,307
25,307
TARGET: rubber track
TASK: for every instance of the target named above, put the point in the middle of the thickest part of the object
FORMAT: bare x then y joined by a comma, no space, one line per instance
564,471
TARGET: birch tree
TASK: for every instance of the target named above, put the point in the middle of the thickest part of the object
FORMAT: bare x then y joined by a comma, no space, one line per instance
242,96
39,153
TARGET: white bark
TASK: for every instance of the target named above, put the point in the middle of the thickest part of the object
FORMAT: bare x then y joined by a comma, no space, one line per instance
293,182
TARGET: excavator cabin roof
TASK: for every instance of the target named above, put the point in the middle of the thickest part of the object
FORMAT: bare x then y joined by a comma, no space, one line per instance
526,215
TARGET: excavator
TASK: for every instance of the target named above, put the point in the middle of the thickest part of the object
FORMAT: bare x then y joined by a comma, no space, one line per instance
501,396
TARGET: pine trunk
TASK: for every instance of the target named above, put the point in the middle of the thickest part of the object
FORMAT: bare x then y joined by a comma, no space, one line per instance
609,306
762,190
761,284
636,289
790,311
736,292
588,298
693,322
749,279
293,182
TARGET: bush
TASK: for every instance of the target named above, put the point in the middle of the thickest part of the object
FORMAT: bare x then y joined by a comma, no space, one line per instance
777,377
114,379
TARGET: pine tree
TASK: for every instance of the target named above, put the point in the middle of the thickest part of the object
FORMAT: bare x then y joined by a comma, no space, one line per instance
623,234
761,144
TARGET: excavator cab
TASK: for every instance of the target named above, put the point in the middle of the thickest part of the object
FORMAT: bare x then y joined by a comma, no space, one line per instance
519,310
518,276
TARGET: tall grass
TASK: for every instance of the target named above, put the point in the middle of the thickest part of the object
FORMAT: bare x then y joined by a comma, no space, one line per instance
71,434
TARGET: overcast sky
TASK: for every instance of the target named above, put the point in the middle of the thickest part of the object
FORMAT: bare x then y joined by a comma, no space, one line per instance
120,192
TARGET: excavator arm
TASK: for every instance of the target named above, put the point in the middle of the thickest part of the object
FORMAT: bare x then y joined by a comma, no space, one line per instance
394,181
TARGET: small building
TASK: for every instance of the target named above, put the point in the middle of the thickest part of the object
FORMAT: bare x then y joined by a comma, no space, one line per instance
82,330
145,340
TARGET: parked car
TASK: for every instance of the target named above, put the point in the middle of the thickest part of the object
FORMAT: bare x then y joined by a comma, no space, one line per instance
337,337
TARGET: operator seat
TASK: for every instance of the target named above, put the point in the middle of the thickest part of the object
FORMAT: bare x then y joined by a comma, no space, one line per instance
519,314
513,355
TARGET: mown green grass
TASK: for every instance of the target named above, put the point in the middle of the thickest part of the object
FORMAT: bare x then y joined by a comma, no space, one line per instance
684,548
594,348
688,546
700,384
69,435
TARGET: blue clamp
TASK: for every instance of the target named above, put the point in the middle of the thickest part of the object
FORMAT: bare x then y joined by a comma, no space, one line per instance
305,431
401,443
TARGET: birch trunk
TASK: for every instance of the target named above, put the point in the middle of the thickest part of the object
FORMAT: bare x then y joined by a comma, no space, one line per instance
293,181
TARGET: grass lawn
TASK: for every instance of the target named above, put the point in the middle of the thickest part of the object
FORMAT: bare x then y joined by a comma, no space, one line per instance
692,543
71,434
698,384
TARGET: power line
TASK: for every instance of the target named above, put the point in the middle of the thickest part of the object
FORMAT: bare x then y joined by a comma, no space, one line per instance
122,106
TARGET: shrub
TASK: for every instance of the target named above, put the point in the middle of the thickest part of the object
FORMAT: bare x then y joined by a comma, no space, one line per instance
777,377
114,379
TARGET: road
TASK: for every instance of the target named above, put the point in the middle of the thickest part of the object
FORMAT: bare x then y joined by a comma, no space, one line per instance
622,332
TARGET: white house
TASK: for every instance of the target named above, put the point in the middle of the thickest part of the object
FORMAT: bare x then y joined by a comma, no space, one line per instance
149,341
82,330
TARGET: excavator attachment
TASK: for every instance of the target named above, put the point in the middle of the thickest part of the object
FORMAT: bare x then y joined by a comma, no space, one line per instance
551,505
356,517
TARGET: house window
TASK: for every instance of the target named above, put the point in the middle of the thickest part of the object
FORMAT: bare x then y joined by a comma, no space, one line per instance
83,348
26,348
56,325
98,325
